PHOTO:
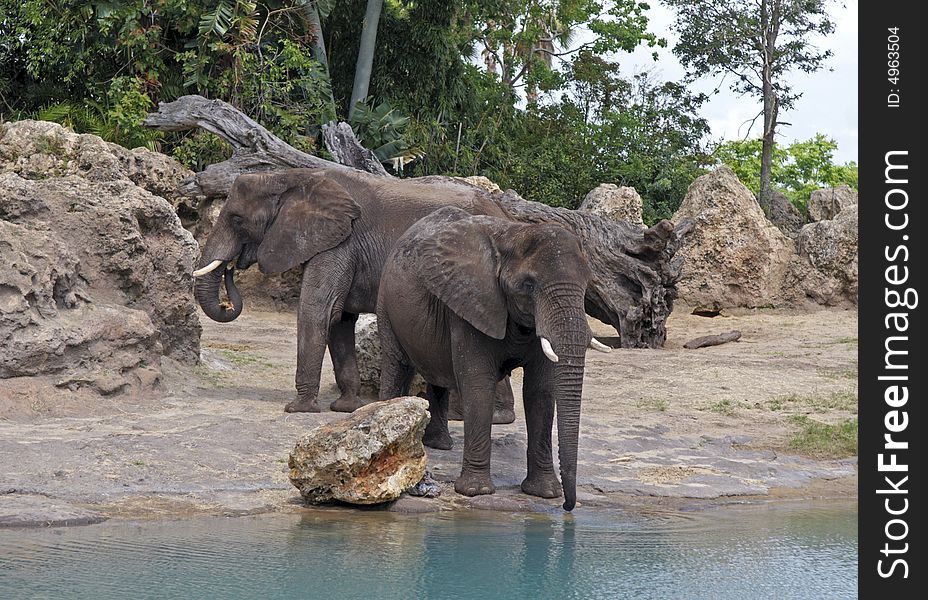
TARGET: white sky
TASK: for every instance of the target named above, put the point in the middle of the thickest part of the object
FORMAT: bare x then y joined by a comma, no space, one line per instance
829,99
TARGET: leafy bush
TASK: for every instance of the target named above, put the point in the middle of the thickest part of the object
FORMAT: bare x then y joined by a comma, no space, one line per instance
798,169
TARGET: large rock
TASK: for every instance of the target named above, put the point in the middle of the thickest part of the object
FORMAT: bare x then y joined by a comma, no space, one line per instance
826,204
733,256
830,248
50,329
615,203
95,195
39,150
100,285
785,216
369,457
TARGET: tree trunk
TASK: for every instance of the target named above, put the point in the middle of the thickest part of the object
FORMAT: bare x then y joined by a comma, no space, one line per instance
254,147
635,270
362,69
318,51
766,159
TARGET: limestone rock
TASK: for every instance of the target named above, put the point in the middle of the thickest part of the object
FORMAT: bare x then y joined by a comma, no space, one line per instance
367,344
483,183
50,329
785,216
830,248
131,246
733,256
827,203
39,149
370,457
615,203
100,283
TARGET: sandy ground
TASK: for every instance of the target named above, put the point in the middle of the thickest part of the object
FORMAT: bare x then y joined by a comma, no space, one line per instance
669,427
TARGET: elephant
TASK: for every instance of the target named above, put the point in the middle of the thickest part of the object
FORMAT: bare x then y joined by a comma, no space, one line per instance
463,300
340,224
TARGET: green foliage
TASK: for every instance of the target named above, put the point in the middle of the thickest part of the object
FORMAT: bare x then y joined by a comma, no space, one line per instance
739,38
381,129
798,169
102,66
823,440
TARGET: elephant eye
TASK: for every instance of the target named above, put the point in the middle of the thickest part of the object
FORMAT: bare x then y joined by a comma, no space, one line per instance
528,284
237,220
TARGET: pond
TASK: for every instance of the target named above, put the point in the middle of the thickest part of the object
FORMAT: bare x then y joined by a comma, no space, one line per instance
804,550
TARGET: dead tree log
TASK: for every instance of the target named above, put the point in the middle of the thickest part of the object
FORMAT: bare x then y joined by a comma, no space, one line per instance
341,142
635,270
254,148
713,340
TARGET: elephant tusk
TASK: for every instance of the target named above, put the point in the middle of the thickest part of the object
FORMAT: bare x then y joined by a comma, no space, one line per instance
548,350
210,267
597,345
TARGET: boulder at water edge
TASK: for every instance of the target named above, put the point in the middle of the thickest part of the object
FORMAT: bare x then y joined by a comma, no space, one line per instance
370,457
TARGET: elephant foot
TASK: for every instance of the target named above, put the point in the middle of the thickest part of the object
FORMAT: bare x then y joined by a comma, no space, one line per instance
311,406
440,440
504,416
543,485
347,404
474,484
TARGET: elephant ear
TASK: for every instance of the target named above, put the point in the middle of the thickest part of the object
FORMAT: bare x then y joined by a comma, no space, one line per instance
314,215
459,263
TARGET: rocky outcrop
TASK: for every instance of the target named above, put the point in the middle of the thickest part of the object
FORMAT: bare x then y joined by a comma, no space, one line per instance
827,271
614,203
103,283
95,195
369,457
40,150
785,216
826,204
50,328
733,256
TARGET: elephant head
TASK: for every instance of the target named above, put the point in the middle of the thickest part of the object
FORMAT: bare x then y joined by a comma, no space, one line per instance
279,220
509,280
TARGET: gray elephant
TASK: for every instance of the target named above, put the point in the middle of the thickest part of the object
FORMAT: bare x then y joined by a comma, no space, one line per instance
464,300
339,223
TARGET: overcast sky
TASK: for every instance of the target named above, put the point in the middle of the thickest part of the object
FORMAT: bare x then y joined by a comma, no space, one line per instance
829,98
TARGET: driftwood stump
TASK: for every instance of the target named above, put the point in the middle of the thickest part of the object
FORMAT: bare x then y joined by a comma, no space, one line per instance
713,340
635,270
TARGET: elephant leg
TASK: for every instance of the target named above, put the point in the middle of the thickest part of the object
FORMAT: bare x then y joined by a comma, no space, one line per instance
326,282
503,408
345,363
436,432
504,403
395,371
538,400
476,379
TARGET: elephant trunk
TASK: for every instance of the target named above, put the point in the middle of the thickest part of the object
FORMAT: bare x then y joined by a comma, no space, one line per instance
563,323
206,292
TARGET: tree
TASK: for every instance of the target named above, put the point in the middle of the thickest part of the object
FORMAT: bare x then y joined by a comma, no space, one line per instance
757,42
521,40
362,70
796,170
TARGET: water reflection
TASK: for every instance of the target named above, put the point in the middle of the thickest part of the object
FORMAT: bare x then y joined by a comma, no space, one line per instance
804,551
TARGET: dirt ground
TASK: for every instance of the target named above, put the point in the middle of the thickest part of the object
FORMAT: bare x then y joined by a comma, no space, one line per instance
671,427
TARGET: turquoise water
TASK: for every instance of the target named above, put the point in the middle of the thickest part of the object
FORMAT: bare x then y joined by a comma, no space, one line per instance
797,551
